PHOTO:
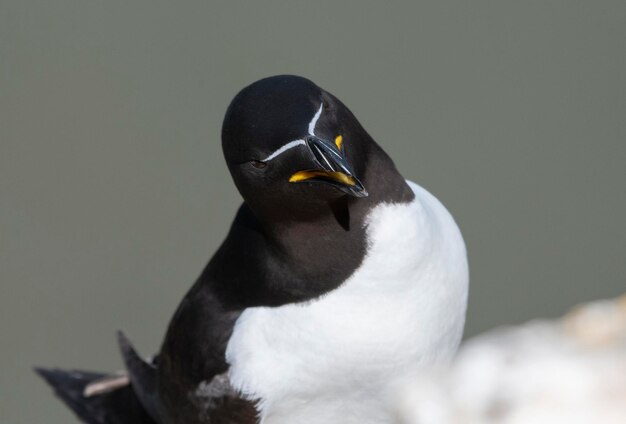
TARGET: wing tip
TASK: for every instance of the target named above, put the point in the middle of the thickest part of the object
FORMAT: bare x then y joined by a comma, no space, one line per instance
47,374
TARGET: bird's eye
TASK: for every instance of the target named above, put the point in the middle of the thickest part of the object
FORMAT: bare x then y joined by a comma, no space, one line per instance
258,164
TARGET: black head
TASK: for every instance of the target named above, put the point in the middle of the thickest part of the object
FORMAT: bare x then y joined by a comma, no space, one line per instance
292,148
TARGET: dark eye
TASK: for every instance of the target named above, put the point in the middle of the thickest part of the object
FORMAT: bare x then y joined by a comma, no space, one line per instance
258,164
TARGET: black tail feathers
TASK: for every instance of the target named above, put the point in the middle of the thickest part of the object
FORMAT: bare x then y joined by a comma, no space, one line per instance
119,406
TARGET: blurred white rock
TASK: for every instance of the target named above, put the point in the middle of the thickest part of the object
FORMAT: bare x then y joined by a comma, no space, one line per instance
571,370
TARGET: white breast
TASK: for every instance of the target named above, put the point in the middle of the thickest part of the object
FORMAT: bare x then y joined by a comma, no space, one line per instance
335,359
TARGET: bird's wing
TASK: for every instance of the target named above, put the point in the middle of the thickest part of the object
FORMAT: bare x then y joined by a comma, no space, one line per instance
132,397
216,402
112,402
96,398
143,378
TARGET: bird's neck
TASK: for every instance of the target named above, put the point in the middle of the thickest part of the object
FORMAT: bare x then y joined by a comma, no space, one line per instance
330,247
383,181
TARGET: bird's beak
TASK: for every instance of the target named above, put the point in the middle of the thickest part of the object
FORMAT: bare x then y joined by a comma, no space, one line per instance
331,167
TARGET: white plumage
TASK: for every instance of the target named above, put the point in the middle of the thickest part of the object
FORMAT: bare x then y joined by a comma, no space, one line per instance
337,359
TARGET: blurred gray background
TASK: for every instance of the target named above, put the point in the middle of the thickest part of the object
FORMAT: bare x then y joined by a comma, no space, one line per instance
114,192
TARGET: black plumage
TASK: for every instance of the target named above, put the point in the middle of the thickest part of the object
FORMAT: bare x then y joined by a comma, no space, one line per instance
289,242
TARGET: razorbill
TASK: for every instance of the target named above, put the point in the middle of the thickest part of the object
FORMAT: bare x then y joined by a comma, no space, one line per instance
337,279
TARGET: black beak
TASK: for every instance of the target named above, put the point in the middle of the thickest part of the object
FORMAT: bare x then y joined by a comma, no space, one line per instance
332,167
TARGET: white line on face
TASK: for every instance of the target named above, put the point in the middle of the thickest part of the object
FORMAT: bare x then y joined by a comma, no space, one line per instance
298,142
284,148
314,120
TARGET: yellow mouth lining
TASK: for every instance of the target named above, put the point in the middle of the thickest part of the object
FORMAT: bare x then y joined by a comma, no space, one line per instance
336,176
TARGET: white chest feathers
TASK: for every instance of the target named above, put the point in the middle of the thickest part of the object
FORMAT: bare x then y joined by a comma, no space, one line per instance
336,359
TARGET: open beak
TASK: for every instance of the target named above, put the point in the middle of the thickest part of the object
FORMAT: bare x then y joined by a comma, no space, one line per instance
331,167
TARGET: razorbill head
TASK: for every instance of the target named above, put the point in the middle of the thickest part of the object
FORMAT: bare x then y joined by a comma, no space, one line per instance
337,279
293,148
